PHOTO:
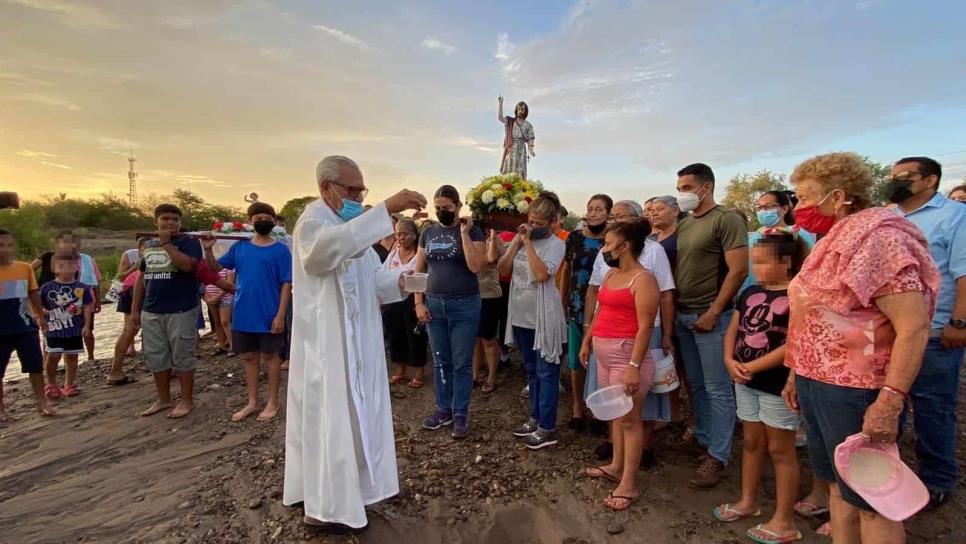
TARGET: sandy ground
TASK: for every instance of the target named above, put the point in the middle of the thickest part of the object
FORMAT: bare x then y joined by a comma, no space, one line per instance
100,473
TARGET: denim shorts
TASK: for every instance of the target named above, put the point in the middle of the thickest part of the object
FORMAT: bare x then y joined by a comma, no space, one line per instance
759,407
832,413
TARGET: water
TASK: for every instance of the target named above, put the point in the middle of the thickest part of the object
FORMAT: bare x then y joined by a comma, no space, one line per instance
108,325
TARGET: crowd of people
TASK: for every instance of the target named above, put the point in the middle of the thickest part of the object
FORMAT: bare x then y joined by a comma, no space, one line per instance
832,319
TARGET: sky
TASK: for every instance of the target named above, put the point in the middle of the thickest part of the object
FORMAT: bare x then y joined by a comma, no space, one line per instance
229,97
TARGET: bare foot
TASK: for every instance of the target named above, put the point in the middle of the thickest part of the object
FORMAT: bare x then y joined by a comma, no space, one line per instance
248,410
268,413
182,409
155,408
46,409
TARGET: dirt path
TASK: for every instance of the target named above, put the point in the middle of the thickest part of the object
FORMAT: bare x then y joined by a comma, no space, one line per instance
100,473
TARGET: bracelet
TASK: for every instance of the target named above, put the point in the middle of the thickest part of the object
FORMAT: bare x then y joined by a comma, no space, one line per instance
633,364
894,391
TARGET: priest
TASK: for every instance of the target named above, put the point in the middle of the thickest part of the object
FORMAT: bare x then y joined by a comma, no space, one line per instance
339,450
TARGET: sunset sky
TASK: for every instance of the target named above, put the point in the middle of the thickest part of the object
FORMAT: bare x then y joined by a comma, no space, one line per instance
229,97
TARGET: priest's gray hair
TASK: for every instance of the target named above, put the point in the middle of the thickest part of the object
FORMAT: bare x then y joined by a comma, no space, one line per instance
330,168
633,206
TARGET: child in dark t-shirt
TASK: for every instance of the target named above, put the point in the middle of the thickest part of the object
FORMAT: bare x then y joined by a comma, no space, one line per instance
68,309
754,356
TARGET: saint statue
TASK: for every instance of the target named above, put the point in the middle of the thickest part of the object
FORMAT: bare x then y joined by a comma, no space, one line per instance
518,141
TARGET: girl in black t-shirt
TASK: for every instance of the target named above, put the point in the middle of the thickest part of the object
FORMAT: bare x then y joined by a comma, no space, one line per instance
754,348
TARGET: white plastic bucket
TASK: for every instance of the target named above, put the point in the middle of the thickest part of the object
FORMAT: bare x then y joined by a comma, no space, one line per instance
415,282
610,403
665,376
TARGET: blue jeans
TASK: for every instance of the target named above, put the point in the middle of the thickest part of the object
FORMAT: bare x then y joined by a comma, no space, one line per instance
712,391
452,336
543,378
934,396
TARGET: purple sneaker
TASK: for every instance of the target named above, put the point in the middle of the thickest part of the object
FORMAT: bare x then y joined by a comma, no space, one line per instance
437,420
461,427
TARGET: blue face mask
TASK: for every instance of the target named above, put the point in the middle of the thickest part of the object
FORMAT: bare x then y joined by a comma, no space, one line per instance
350,209
769,218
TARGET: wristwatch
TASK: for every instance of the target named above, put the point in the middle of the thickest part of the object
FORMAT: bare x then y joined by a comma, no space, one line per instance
957,323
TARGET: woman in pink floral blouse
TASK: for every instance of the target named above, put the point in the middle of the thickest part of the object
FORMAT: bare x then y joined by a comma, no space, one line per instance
860,314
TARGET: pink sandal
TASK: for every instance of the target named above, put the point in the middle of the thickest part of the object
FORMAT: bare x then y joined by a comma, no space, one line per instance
52,392
71,390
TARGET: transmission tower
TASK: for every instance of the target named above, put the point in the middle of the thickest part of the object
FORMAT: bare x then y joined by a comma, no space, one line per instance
132,176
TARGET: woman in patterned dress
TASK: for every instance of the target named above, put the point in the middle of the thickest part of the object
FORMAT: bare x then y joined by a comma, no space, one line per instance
860,313
518,140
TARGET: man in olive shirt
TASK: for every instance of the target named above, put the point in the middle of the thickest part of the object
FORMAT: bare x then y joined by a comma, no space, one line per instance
712,265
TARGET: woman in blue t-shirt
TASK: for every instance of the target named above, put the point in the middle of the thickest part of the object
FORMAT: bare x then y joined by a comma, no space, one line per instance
775,213
452,253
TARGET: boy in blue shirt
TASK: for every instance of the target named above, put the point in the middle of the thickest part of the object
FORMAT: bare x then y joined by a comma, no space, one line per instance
263,283
69,310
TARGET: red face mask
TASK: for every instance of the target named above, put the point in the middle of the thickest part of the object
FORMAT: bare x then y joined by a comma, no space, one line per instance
813,220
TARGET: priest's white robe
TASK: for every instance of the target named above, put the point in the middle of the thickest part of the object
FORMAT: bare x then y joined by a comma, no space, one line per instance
339,448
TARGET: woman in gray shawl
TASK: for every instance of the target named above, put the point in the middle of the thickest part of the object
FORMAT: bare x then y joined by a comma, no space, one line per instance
517,141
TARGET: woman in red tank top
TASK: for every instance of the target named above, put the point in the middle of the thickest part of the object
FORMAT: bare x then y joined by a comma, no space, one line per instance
619,336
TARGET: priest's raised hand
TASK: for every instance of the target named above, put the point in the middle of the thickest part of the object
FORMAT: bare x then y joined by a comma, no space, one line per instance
405,200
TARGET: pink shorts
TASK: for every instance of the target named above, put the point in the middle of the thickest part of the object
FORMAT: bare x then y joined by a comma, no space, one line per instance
613,358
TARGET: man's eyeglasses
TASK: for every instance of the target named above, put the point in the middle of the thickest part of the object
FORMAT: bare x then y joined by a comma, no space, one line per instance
354,192
903,176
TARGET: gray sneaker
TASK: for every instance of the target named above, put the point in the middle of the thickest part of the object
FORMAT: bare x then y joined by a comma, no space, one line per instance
525,392
437,420
540,439
526,429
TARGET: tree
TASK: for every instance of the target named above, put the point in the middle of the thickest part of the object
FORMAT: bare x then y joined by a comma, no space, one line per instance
881,173
744,189
293,209
29,228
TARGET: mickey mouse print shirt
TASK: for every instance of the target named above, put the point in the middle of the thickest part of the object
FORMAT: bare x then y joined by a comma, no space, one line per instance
449,277
64,303
762,328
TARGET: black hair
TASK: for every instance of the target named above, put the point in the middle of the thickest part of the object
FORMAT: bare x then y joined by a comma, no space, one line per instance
608,201
5,232
787,244
526,109
69,257
64,234
167,208
561,211
634,232
927,167
957,188
450,192
702,172
787,199
259,208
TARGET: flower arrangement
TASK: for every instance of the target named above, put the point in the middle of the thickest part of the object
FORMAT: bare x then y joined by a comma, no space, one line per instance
231,227
508,193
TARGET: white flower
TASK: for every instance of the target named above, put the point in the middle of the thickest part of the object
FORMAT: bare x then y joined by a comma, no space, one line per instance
226,226
246,227
488,197
522,206
504,204
496,186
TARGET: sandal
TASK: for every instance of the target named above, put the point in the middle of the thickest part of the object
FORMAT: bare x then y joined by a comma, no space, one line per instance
396,378
599,472
123,381
825,529
629,501
809,509
488,387
71,390
416,383
52,392
761,535
726,514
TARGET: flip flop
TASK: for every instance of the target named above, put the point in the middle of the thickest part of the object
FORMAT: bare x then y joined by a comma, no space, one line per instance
825,529
761,535
123,381
416,383
630,502
396,378
52,392
601,473
71,390
726,514
809,509
488,387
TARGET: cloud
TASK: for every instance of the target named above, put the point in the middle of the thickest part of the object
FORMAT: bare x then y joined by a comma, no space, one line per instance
343,37
437,45
35,154
190,179
56,165
503,47
276,53
45,99
77,14
12,79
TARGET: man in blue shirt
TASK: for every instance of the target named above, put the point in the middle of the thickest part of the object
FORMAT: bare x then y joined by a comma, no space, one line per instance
915,188
263,276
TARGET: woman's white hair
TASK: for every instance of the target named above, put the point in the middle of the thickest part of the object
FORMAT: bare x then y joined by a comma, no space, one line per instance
633,206
330,168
